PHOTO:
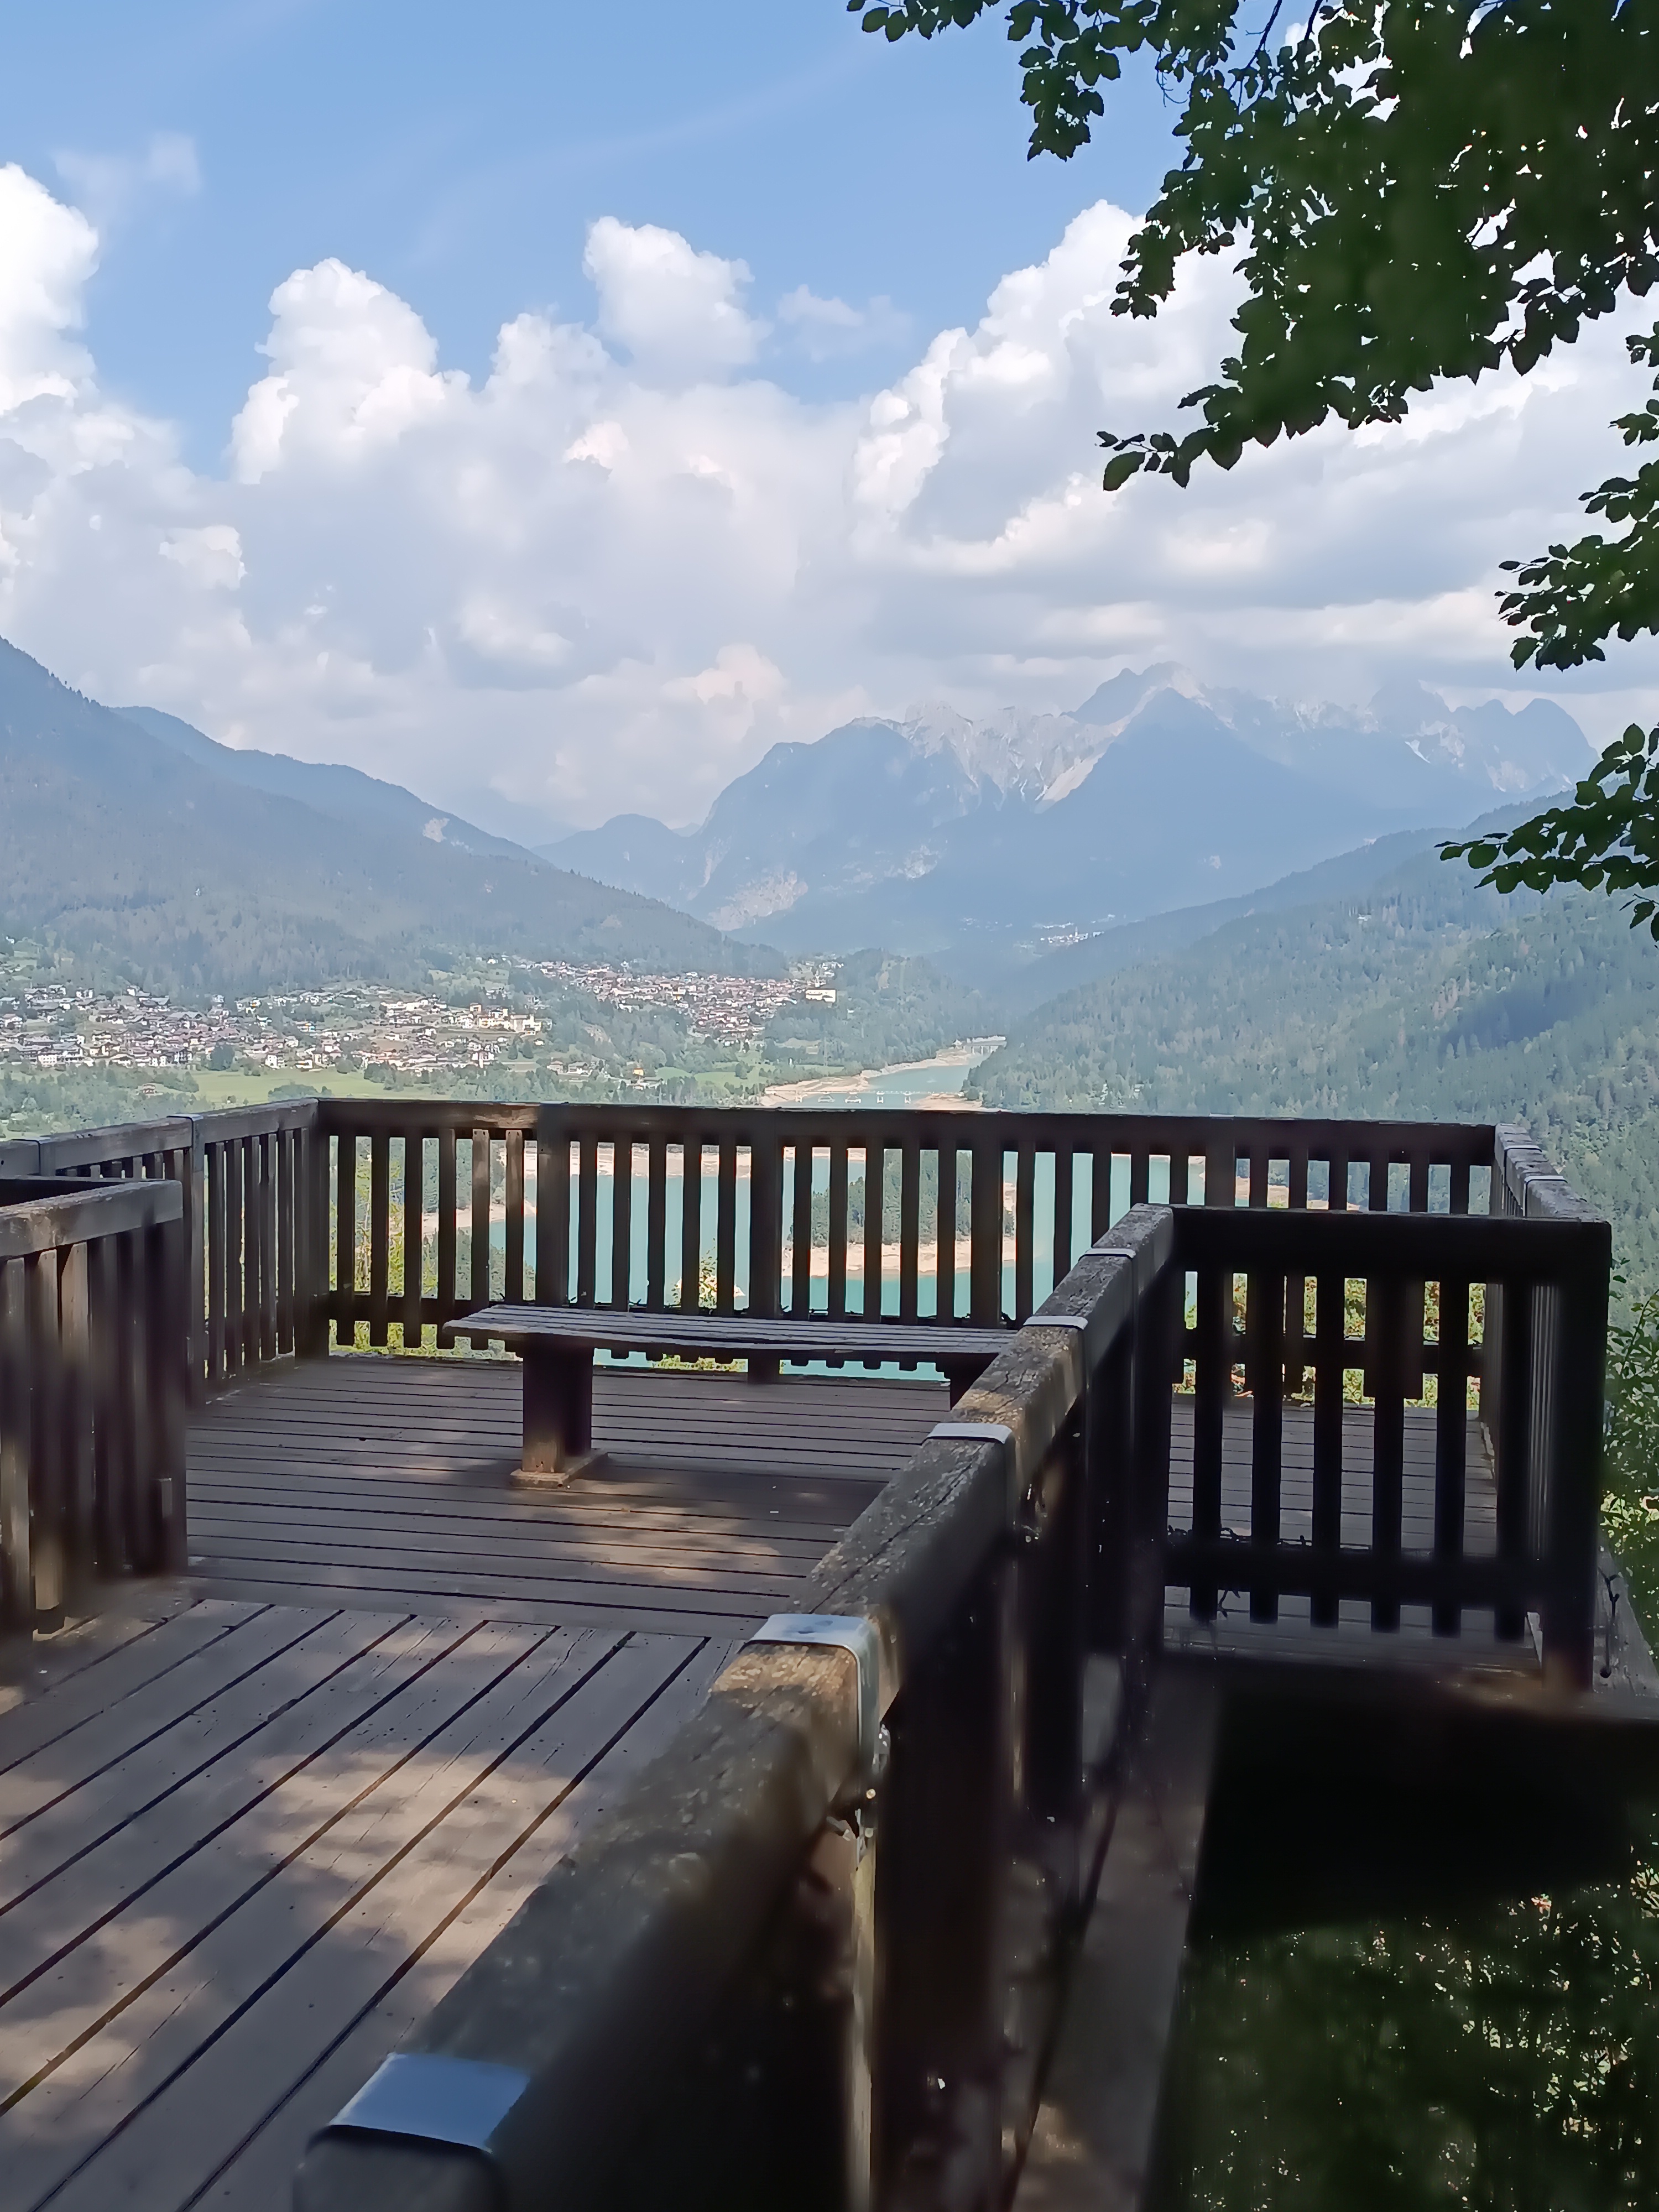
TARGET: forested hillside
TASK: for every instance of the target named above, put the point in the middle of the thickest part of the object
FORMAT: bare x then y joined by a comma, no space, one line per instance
887,1009
1423,996
121,851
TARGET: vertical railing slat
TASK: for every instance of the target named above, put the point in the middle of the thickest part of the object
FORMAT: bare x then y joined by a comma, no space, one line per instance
690,1223
414,1237
513,1199
726,1226
380,1234
622,1221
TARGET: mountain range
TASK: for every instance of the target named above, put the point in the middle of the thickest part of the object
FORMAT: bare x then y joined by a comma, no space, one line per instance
144,848
976,841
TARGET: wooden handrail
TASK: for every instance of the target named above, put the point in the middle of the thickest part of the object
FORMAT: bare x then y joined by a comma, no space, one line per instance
93,1388
728,1904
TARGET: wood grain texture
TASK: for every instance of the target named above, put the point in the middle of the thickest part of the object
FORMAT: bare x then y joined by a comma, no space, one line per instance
239,1878
388,1484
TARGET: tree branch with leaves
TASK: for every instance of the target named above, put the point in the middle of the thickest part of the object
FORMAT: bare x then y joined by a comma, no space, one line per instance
1420,190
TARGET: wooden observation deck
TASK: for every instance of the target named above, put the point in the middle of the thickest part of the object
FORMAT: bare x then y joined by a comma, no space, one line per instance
310,1698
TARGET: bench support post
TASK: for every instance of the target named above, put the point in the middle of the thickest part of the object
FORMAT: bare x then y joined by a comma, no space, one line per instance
558,1410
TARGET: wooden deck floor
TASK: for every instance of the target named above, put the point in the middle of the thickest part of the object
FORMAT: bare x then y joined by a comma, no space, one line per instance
389,1483
245,1845
242,1850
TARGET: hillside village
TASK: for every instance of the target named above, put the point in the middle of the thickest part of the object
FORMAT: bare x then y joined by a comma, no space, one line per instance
353,1028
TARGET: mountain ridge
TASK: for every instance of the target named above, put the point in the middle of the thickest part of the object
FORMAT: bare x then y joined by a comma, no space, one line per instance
938,834
121,849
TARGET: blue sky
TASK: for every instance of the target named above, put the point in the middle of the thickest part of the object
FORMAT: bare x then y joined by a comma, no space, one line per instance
460,154
552,409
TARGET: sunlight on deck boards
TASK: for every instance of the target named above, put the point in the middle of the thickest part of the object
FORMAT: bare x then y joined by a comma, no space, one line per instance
245,1849
388,1483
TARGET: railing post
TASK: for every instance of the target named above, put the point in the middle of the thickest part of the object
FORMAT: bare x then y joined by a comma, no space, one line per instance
1578,1390
985,1231
766,1232
552,1208
17,1571
311,1271
946,1831
164,1256
196,1333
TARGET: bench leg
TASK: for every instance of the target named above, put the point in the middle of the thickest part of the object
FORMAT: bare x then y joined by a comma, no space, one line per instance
558,1413
962,1375
764,1366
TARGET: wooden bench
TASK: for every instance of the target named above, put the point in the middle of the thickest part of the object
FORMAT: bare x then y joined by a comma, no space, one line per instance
558,1344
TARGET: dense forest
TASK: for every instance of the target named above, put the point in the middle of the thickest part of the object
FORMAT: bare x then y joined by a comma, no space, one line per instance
1425,996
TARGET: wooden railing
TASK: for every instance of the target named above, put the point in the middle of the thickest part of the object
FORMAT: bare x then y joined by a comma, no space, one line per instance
93,1386
815,1956
377,1221
949,1216
249,1189
1420,1286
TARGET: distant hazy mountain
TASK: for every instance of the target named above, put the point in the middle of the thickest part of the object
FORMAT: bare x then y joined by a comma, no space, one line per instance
939,835
346,792
149,858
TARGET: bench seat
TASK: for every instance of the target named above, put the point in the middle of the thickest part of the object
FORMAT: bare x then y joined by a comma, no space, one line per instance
558,1344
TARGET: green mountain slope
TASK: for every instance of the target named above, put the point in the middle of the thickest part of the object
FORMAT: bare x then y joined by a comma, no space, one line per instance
1424,996
123,851
344,792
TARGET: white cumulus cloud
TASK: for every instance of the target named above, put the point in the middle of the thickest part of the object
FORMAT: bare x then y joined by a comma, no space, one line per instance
611,571
678,312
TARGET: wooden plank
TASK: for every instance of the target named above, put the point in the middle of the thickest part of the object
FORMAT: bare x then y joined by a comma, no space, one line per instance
28,1670
150,1789
726,1226
641,1619
236,1259
944,1236
1091,2148
480,1227
352,1569
290,1240
63,2041
587,1219
275,2149
875,1207
266,1148
1060,1242
909,1227
448,1298
801,1241
345,1239
656,1221
621,1227
414,1165
1265,1366
52,1529
690,1224
43,1778
196,2125
1024,1227
513,1171
380,1233
216,1365
732,1335
837,1275
16,1573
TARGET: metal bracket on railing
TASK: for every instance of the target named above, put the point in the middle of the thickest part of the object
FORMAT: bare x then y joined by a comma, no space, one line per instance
848,1631
431,2098
979,1433
1077,1324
